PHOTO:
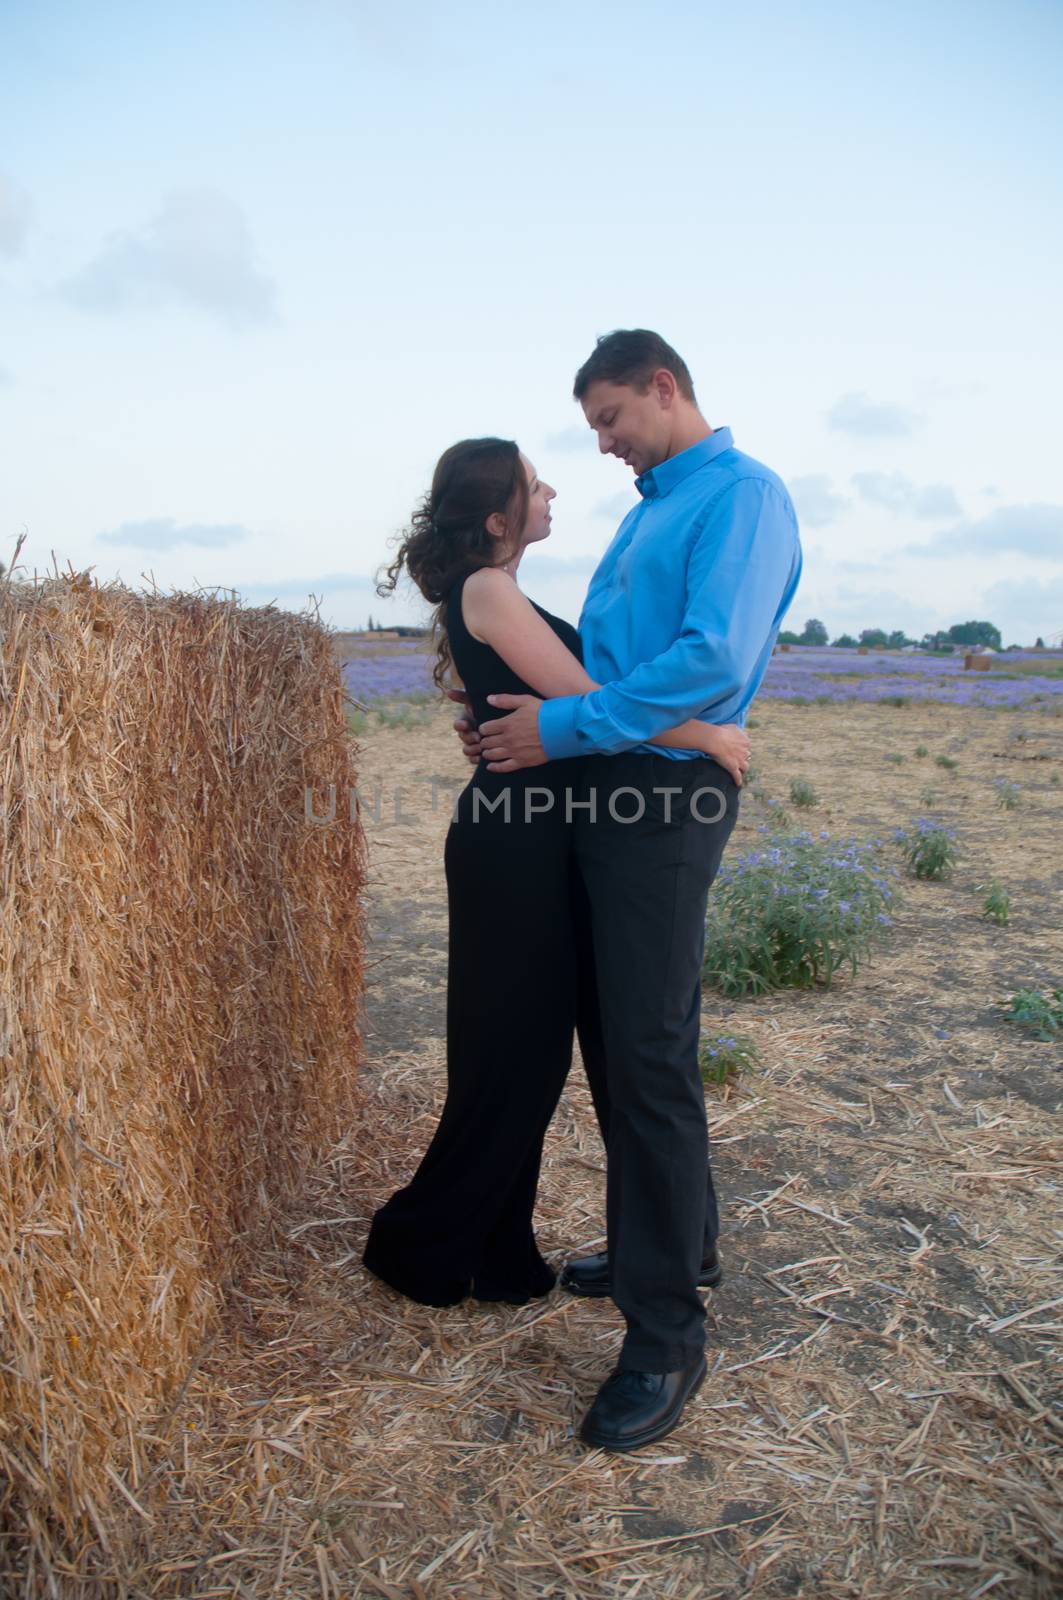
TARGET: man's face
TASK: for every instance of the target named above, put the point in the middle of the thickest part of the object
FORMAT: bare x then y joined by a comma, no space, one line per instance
636,428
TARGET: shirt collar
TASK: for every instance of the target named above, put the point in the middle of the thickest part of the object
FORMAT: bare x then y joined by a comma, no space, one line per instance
661,480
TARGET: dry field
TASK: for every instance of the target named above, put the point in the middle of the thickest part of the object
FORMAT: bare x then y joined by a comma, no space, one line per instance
881,1417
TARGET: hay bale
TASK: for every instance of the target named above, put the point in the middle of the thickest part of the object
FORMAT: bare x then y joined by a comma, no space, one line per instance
977,663
180,975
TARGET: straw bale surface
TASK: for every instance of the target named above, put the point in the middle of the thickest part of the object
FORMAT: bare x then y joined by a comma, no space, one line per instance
882,1414
180,977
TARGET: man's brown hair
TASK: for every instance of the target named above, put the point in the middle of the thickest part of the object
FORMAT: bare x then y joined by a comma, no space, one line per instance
631,356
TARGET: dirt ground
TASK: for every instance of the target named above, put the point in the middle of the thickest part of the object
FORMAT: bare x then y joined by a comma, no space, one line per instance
882,1413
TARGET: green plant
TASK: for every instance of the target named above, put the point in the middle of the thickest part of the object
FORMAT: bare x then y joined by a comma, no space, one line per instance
948,762
794,910
779,816
921,750
895,700
1055,780
996,907
726,1056
928,796
405,714
895,756
1041,1010
1009,795
752,722
802,793
929,848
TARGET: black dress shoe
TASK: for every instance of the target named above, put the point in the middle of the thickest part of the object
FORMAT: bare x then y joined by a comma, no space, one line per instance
635,1408
589,1275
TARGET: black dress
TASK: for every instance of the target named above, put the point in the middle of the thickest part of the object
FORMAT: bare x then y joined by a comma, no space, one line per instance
463,1225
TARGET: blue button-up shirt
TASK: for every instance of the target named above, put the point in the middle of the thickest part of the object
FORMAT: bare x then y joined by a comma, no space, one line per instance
685,605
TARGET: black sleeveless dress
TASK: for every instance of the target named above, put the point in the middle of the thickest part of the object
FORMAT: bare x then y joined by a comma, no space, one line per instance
463,1225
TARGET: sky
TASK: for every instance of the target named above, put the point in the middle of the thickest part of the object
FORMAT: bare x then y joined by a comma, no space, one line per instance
261,261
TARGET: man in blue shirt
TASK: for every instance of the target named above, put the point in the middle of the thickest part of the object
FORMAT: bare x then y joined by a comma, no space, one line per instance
680,620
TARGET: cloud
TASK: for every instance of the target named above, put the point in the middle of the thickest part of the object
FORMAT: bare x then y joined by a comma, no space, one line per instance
337,598
849,607
163,533
1025,609
897,493
197,252
940,389
549,568
879,608
7,377
302,588
1031,530
571,440
16,210
617,506
855,413
816,502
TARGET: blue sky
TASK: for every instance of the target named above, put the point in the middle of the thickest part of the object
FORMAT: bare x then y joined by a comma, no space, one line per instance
261,261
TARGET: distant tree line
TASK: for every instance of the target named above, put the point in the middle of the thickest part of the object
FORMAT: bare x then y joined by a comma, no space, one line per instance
401,629
946,640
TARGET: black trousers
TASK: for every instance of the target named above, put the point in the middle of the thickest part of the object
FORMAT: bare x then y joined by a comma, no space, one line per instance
647,859
464,1221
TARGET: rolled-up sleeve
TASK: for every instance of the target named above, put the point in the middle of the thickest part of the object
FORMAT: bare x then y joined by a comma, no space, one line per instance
742,564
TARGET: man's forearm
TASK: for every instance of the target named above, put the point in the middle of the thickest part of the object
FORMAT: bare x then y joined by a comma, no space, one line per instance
656,697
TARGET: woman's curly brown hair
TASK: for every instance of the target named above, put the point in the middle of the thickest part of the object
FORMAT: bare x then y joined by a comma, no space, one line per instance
447,536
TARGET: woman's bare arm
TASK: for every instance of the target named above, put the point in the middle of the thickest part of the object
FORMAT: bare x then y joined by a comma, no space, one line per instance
498,614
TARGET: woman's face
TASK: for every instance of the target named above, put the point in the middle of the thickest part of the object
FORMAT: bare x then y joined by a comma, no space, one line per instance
540,494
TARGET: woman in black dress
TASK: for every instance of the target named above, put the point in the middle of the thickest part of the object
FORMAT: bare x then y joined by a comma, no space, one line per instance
519,973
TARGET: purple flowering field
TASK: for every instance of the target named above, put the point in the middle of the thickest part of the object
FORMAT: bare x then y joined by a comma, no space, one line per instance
385,669
806,673
400,669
